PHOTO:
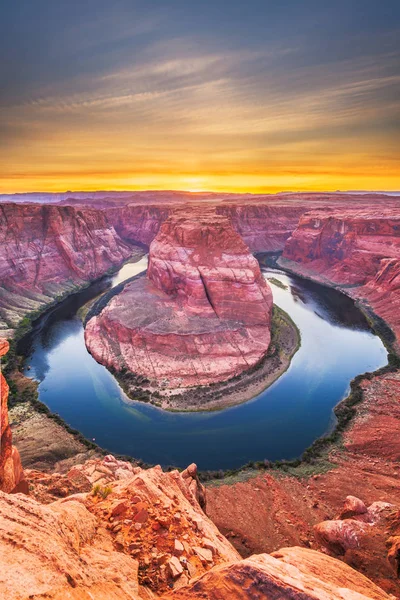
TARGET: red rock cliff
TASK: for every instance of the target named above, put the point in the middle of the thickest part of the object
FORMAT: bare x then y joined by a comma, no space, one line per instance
357,250
201,315
138,223
11,474
264,227
46,251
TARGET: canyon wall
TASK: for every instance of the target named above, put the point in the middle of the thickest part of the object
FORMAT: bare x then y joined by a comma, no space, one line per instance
201,315
47,251
357,250
12,477
137,223
264,227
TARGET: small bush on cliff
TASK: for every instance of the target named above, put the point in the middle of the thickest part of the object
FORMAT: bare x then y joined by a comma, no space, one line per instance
102,491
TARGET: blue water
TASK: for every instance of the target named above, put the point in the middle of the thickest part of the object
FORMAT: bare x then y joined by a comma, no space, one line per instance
336,345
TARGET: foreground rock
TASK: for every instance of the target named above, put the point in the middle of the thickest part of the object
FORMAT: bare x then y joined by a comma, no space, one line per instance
288,574
201,315
138,534
357,250
134,527
12,477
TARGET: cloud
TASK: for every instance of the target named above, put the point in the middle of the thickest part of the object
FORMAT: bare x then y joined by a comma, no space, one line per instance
154,100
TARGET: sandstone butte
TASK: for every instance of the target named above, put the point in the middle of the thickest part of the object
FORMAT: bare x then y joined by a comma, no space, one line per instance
201,315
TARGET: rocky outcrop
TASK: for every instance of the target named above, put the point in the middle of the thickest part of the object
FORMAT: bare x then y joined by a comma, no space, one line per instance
56,551
289,573
47,251
201,315
134,529
12,477
140,533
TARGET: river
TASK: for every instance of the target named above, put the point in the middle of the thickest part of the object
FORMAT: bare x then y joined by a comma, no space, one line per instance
336,345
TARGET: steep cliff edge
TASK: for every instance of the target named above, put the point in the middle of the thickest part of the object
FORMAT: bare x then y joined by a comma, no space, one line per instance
47,251
12,477
200,316
357,250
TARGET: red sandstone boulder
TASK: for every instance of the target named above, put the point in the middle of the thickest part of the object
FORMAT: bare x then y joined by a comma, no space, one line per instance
353,506
290,573
338,536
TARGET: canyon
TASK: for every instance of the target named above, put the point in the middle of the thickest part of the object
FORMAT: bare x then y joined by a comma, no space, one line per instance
68,540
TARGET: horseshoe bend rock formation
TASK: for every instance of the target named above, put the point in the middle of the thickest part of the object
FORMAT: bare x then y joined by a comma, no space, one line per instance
12,477
201,315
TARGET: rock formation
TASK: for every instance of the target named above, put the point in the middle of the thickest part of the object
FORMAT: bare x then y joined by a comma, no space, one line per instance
12,477
264,227
356,250
46,251
201,315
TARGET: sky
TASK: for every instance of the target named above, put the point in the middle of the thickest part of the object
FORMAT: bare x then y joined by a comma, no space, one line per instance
255,96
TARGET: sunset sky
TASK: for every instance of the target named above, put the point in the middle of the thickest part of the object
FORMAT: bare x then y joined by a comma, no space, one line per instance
213,95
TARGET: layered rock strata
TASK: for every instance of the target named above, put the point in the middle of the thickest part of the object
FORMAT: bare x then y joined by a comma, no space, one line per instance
201,315
47,251
356,250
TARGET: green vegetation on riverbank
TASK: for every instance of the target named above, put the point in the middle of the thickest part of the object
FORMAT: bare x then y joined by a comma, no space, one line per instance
278,283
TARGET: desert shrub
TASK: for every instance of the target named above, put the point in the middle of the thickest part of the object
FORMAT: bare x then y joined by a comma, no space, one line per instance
102,491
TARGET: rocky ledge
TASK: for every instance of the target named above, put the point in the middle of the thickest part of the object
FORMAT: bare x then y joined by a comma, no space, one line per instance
201,315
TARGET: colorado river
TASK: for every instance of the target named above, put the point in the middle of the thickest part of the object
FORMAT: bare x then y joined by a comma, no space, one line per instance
336,345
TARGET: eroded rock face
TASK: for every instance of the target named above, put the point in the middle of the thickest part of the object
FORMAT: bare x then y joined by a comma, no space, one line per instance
12,477
264,228
358,250
46,251
201,315
54,551
347,247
